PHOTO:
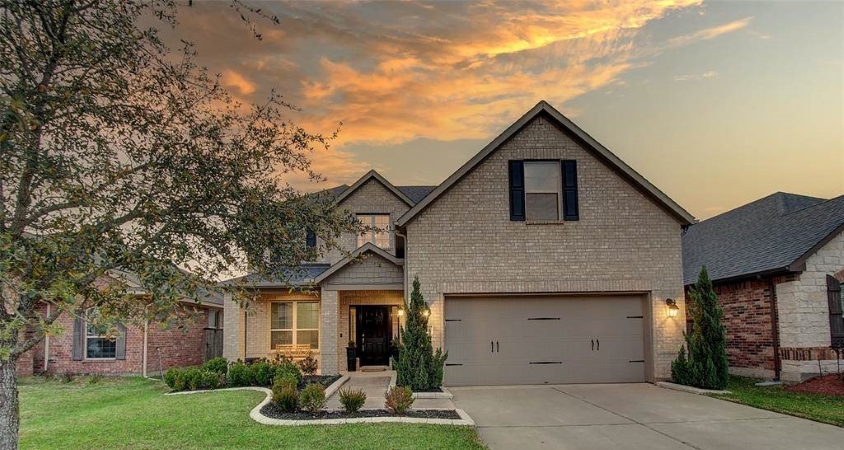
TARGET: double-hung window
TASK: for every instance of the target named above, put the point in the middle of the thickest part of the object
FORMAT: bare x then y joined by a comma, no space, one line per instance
379,230
97,344
543,190
294,323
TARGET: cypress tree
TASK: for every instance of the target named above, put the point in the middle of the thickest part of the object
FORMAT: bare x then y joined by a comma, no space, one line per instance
706,366
418,366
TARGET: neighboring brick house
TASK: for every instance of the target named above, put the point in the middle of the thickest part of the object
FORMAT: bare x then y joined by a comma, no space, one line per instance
544,259
776,264
148,349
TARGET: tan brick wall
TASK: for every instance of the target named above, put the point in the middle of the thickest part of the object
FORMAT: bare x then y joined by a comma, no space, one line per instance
465,243
371,269
358,298
258,320
371,198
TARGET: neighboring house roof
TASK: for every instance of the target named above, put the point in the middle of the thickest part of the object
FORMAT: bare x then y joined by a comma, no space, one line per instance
206,296
416,193
368,247
372,174
574,131
771,235
299,276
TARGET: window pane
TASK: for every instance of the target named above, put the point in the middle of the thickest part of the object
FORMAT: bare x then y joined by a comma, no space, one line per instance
542,207
382,221
307,315
308,337
101,348
542,176
281,315
280,338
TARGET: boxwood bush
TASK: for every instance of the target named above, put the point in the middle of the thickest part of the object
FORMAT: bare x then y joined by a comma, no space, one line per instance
241,374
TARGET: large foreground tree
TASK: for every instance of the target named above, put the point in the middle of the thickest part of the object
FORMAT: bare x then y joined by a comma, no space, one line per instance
119,153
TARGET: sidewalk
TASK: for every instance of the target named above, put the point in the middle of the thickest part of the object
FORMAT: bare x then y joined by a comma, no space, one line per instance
375,384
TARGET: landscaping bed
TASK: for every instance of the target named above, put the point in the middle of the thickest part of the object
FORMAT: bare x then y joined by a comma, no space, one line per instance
434,390
274,412
826,385
323,380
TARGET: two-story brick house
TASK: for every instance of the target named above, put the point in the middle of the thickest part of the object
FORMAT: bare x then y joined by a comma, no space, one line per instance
544,259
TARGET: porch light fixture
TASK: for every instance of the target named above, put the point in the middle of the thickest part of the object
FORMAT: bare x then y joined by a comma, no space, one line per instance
673,309
401,311
426,312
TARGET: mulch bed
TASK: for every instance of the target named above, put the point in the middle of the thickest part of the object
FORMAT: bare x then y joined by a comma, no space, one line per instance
273,411
324,380
827,385
428,390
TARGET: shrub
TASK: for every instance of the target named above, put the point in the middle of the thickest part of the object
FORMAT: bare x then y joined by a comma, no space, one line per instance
352,399
264,373
309,365
706,364
170,377
210,379
313,398
218,365
284,393
193,378
398,400
241,374
418,365
287,366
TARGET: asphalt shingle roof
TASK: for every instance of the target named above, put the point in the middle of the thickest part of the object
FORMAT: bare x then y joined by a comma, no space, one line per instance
298,276
414,193
766,235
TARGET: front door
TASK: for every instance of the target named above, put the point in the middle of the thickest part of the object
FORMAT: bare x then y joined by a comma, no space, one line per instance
373,335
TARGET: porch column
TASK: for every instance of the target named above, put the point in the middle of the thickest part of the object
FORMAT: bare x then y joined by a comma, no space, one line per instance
328,333
233,322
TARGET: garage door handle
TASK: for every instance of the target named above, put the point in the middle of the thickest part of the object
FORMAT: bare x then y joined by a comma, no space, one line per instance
497,348
599,344
491,347
593,345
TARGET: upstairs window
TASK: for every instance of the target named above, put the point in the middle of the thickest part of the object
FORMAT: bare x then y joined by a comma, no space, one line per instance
543,190
379,234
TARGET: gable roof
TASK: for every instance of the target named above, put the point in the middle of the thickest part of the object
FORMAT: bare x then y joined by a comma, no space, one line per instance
775,234
302,275
372,174
567,126
416,193
368,247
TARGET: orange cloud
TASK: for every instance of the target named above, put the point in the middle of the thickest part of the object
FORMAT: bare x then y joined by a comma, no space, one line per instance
235,80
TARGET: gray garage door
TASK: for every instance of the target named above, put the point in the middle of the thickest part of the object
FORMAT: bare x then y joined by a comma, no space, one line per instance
537,340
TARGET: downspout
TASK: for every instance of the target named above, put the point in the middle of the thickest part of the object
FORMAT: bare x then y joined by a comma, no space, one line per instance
775,328
47,345
404,266
146,329
245,326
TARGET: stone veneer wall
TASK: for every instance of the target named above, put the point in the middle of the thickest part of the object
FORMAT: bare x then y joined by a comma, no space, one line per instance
358,298
465,243
371,198
804,314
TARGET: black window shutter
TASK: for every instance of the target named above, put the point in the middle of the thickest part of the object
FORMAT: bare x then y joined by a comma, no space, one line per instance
310,239
570,201
517,191
836,318
120,343
78,338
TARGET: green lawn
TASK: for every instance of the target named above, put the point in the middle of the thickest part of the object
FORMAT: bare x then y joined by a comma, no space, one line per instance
131,413
821,408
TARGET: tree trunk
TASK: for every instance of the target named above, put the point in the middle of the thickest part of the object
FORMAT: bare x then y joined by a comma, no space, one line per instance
9,417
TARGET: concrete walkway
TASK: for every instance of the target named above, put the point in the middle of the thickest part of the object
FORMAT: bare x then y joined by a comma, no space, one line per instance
375,384
631,416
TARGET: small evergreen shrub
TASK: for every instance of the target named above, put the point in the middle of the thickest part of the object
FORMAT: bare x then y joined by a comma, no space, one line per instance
309,365
193,378
264,373
210,379
218,365
241,374
352,399
285,395
287,366
680,370
398,400
418,365
170,377
312,398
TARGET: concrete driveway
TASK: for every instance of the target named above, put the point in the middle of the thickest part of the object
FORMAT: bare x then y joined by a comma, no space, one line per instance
631,416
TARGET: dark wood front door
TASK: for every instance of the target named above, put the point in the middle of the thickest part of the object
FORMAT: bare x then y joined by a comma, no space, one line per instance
373,334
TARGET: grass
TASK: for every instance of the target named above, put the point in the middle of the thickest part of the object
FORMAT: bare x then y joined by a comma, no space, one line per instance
132,413
817,407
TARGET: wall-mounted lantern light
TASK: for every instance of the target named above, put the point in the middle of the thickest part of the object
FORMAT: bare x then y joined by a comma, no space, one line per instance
673,309
401,311
426,312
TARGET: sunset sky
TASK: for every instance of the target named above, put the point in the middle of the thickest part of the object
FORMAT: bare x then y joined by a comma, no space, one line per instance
716,103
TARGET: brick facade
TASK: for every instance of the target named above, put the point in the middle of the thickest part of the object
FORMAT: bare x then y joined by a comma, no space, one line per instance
465,243
178,347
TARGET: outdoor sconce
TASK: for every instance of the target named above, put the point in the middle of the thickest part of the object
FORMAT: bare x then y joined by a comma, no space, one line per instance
401,311
673,309
426,312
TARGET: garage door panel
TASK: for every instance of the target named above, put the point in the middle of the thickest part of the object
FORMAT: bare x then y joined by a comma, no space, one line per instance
537,340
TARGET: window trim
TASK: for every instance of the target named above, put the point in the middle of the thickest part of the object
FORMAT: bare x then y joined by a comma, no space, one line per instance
559,191
88,336
294,330
370,236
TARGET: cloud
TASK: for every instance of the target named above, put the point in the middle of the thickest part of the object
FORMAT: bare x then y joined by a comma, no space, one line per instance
235,80
704,75
709,33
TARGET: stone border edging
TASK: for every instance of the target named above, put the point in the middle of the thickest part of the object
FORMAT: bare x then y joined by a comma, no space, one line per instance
444,394
255,413
335,386
690,389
